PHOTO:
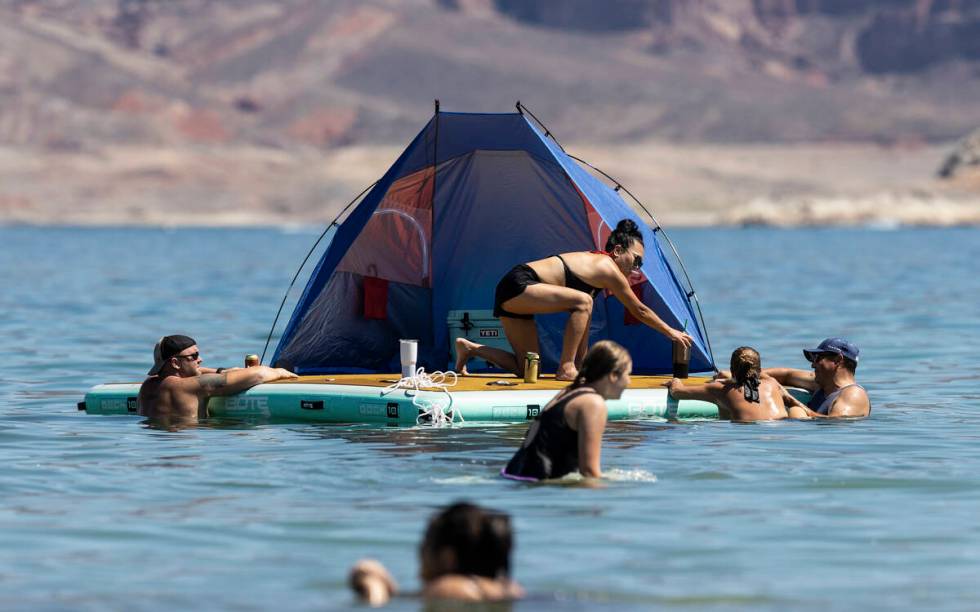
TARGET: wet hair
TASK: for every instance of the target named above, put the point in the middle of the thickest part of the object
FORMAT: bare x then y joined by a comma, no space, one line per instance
480,540
625,234
746,368
604,358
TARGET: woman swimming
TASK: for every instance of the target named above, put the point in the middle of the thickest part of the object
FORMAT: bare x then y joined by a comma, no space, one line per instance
565,283
465,555
567,434
747,395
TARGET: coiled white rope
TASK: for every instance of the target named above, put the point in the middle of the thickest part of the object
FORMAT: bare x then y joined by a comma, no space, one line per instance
432,410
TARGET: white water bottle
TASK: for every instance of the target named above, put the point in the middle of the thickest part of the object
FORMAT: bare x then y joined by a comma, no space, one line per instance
409,353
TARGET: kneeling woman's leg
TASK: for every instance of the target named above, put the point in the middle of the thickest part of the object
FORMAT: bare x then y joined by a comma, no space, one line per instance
543,299
522,335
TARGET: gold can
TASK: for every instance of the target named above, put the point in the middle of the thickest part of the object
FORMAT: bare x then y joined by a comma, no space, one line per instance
251,360
532,361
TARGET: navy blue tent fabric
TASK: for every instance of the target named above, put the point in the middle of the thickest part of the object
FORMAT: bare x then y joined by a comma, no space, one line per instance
471,196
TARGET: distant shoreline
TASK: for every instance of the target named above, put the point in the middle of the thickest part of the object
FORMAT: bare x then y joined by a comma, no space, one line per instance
683,185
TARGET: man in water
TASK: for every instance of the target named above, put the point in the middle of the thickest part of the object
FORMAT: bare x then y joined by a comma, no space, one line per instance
831,381
178,388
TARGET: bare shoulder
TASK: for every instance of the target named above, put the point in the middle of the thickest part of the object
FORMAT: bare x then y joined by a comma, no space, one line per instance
605,266
852,401
181,385
472,588
587,407
454,586
589,400
855,392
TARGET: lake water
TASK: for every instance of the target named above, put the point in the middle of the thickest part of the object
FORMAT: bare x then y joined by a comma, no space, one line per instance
102,513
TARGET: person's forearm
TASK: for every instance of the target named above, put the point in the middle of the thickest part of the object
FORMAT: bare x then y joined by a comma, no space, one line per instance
679,391
649,318
231,382
779,374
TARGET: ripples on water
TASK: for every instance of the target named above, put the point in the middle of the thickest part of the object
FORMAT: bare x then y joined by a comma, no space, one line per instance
99,512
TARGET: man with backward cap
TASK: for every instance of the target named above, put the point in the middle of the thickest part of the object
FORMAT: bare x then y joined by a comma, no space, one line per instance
836,394
178,387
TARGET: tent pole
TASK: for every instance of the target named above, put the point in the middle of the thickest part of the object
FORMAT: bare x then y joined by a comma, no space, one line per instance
670,243
521,108
302,265
435,171
656,224
659,228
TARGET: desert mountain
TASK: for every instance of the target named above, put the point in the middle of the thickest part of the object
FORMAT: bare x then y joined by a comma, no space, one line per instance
229,95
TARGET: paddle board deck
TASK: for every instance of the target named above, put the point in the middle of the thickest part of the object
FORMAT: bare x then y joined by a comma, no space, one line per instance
370,399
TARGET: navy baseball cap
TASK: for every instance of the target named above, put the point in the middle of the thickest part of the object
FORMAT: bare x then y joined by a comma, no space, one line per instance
167,347
840,346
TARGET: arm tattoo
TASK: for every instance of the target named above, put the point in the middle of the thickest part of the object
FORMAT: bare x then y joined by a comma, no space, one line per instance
212,383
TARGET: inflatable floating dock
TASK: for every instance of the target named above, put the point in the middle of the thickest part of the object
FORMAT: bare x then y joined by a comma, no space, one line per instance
368,398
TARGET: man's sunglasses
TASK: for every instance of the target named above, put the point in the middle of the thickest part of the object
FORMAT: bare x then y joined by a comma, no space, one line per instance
191,357
819,356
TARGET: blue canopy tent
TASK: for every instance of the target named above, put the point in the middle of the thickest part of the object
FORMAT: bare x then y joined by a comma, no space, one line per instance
470,197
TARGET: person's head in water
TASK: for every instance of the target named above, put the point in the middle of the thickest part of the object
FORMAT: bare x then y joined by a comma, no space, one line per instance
606,368
831,354
746,366
466,539
176,354
625,244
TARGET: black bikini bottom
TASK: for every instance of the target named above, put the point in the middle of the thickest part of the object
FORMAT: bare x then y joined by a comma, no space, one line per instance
512,285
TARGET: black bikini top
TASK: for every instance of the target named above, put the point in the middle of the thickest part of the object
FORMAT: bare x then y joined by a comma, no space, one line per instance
572,281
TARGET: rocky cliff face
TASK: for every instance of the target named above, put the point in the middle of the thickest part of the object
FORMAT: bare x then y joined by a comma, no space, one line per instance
881,36
154,111
324,73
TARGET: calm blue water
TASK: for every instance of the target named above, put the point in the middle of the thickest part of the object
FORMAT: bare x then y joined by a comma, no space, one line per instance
101,513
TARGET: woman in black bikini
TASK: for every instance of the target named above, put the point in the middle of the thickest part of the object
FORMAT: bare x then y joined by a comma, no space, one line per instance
565,283
567,435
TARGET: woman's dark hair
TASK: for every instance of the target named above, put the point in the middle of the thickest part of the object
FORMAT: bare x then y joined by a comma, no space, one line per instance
746,368
605,357
625,234
480,539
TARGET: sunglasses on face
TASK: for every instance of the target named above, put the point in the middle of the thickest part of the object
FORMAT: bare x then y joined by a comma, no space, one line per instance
820,356
637,260
191,357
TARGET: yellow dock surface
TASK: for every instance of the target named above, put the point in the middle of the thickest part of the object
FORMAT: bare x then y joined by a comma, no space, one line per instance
476,382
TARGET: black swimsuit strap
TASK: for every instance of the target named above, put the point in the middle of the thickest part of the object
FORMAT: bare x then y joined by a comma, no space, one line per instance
562,260
573,281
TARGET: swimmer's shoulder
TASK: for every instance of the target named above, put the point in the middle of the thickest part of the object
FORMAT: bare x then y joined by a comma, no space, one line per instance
472,588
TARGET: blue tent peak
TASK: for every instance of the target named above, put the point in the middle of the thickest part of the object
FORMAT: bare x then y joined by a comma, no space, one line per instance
471,196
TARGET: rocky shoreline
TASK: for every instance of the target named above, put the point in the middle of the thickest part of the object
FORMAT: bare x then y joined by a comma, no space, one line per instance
683,185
